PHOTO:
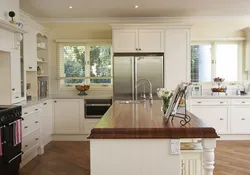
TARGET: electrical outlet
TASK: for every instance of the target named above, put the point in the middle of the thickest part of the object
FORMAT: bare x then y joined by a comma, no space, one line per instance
175,146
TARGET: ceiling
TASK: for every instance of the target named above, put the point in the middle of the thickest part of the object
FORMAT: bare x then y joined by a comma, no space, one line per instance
125,8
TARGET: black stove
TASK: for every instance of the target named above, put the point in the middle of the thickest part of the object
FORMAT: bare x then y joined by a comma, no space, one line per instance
11,157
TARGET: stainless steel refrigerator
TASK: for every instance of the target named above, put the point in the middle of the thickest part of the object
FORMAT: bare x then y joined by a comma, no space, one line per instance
128,69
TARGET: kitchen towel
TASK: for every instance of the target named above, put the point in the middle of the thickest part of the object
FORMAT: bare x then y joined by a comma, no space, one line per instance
17,132
1,150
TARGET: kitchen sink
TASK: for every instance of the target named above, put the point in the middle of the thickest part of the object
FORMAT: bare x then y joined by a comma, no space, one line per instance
130,101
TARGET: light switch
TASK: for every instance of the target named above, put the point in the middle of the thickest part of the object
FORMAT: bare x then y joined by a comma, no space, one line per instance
175,146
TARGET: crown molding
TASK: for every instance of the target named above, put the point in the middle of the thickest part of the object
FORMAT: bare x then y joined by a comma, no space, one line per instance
144,19
150,26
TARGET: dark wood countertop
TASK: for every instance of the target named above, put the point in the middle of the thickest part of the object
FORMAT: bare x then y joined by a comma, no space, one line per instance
142,121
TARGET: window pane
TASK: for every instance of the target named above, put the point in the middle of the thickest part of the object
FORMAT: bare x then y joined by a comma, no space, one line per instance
74,63
100,81
200,63
100,62
227,61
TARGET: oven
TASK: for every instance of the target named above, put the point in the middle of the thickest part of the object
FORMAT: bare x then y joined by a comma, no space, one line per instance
96,108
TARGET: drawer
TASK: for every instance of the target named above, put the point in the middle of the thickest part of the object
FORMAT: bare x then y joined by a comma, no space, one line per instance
31,141
31,109
31,123
208,102
16,97
241,102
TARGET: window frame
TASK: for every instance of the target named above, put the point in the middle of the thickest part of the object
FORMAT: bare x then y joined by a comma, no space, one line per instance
213,57
60,80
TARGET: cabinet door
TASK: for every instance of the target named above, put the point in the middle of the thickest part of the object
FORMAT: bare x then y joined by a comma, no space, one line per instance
216,117
240,120
125,40
15,77
151,40
67,116
177,57
47,118
30,51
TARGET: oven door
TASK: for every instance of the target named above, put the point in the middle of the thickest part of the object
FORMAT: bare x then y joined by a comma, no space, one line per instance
96,108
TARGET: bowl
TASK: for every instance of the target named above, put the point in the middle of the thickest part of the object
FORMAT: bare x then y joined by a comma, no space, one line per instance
82,89
219,89
218,79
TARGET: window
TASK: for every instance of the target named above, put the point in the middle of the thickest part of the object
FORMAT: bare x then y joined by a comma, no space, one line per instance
215,60
84,64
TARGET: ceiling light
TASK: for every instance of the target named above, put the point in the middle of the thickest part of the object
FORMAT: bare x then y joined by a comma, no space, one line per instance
136,6
70,7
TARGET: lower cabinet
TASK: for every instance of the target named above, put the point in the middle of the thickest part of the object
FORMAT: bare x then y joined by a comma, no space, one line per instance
68,116
213,116
240,119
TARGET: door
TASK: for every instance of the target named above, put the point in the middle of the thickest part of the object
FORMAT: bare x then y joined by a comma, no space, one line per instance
123,78
125,41
15,77
213,116
151,40
150,68
67,116
30,51
240,120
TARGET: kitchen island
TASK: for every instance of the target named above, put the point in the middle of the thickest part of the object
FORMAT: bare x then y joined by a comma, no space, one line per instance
134,139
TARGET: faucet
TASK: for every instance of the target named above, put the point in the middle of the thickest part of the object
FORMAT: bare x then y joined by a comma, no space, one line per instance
150,86
143,96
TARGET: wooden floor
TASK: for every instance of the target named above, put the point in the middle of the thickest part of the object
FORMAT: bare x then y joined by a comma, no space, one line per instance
72,158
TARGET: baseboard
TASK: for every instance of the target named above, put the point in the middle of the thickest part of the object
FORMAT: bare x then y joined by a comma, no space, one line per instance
69,137
234,137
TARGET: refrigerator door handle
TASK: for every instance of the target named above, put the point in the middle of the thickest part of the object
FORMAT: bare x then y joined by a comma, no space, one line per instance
133,81
135,77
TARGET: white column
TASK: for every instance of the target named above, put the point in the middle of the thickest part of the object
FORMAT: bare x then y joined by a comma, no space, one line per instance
208,155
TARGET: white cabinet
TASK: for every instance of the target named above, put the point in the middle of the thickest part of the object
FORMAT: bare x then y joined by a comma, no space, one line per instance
240,119
68,116
47,116
138,40
30,51
213,116
177,57
15,77
125,40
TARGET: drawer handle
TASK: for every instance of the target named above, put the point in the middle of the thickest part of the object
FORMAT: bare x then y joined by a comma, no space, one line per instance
30,67
243,102
36,109
55,101
44,103
25,113
36,122
221,102
25,127
243,119
16,97
199,101
221,118
13,89
37,138
26,146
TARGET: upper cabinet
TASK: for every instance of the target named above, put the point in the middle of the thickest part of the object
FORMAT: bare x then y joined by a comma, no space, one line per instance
138,40
30,51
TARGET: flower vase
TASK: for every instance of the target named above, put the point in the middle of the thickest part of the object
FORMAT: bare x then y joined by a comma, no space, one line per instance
165,104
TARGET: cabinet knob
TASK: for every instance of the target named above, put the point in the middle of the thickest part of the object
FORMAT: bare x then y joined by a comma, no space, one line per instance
243,102
26,146
13,89
243,119
36,122
44,103
55,101
199,102
37,138
25,127
221,102
36,109
16,97
136,49
139,48
30,67
25,113
221,118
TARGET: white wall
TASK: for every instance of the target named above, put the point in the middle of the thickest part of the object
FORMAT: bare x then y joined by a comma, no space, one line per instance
9,5
200,30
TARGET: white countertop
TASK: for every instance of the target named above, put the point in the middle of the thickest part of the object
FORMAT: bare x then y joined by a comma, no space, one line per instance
35,101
